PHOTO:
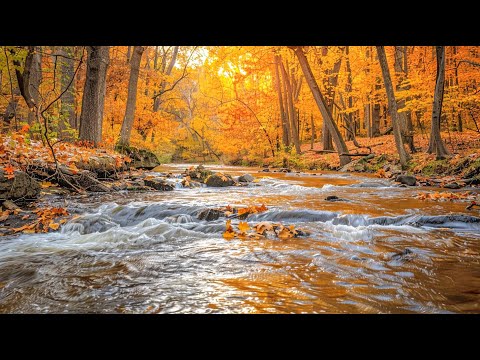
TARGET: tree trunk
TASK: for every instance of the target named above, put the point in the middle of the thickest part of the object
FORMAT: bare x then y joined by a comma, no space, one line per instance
67,110
129,53
392,104
375,120
366,114
312,125
285,125
91,117
29,79
350,135
131,97
331,83
163,84
405,117
436,144
322,106
291,110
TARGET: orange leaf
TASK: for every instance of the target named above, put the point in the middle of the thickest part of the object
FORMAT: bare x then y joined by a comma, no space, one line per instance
243,226
53,225
229,233
25,128
9,169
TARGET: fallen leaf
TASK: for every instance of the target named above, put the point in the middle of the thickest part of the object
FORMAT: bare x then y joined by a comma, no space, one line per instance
243,226
53,225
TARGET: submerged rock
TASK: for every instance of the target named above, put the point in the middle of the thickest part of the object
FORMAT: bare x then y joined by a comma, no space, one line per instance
209,214
219,180
141,158
405,255
246,178
159,184
332,198
21,186
452,186
406,179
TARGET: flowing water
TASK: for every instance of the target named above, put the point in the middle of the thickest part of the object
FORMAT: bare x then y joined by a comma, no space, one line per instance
380,251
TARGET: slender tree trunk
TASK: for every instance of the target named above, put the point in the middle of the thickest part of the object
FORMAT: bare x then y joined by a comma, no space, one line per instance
291,110
375,120
131,97
350,135
392,104
285,125
322,105
129,53
312,125
331,84
436,144
405,117
91,117
163,84
67,110
367,117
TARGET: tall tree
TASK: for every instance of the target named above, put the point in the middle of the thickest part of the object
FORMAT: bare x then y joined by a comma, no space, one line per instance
283,116
91,117
392,105
291,110
405,117
322,106
436,144
132,96
157,101
29,78
67,71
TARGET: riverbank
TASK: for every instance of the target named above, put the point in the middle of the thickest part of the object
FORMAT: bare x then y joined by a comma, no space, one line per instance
29,172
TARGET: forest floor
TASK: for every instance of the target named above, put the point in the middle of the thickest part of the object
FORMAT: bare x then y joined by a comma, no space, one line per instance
29,172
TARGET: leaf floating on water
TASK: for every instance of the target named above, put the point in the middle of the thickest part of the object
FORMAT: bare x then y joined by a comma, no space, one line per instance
243,226
263,226
229,232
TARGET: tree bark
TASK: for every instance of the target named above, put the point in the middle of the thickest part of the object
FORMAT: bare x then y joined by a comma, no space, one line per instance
436,144
67,71
291,110
131,97
322,106
163,84
392,104
405,117
331,83
29,79
285,124
93,101
350,135
312,125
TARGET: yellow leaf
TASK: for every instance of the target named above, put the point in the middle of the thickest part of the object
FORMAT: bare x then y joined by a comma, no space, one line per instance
46,184
229,233
243,226
263,226
53,225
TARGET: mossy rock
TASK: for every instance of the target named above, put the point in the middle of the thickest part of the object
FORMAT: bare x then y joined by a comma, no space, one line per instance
20,187
141,158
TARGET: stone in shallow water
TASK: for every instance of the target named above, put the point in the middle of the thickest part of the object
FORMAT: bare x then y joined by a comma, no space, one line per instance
209,214
246,178
406,179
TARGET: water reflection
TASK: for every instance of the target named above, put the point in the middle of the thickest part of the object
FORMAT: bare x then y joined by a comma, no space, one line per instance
148,253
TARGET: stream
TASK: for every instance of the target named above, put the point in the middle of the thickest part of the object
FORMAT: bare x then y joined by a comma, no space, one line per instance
380,251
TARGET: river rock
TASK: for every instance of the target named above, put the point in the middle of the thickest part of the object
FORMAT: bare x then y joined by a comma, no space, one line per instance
159,184
265,170
246,178
141,158
209,214
199,173
21,186
406,179
333,198
10,205
219,180
452,186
